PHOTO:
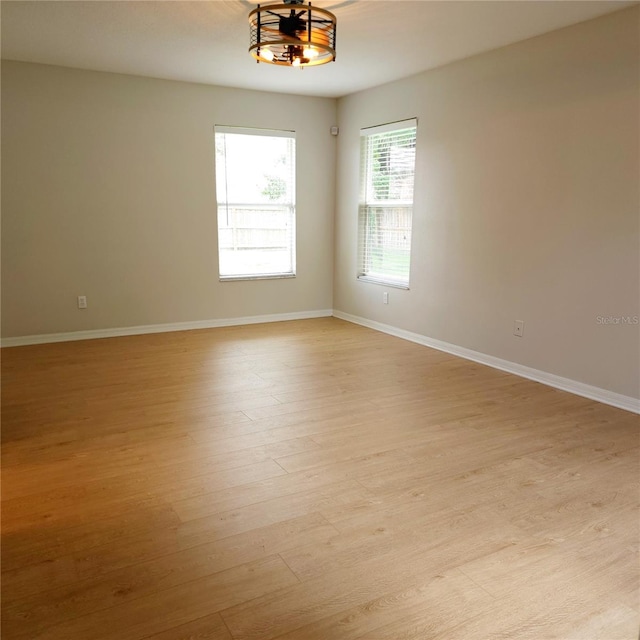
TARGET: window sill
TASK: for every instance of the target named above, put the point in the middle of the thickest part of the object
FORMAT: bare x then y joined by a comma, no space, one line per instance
385,283
270,276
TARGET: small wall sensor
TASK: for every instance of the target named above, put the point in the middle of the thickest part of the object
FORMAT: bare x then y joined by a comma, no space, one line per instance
335,131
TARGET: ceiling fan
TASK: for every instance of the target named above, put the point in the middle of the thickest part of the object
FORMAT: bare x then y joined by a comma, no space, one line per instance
292,34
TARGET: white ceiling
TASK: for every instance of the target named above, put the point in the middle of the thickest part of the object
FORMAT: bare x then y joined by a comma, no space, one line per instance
206,41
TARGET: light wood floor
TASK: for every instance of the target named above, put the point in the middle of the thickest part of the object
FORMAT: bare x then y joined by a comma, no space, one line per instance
309,480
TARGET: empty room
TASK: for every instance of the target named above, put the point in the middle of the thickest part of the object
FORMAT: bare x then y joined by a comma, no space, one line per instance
320,321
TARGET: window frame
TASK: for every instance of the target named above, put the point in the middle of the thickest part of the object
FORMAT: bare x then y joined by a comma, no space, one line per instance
366,204
292,205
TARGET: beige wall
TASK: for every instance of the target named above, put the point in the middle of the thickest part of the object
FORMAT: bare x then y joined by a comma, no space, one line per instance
526,202
108,191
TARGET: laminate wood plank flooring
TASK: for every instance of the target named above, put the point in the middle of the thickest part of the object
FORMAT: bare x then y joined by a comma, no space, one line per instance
308,480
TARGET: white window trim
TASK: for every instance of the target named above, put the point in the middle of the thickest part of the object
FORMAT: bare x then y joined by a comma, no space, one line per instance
366,132
272,133
248,131
390,126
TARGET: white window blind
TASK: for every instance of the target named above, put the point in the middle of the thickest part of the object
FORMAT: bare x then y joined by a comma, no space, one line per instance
255,186
388,155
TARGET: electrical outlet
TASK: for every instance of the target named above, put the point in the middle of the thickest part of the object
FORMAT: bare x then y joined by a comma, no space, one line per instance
82,302
385,298
518,328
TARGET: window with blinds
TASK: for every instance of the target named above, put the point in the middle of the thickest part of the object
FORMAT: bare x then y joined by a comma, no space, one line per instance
388,156
255,186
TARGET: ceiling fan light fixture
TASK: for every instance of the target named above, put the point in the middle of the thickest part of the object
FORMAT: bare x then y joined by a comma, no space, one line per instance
292,34
265,54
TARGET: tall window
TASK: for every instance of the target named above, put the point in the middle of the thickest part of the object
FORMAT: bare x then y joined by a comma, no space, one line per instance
255,184
388,156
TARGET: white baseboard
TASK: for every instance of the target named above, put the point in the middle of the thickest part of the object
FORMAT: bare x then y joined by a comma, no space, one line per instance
161,328
618,400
